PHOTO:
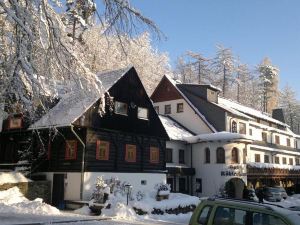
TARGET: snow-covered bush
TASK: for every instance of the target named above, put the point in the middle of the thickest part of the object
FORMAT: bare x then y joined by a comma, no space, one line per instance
162,189
101,191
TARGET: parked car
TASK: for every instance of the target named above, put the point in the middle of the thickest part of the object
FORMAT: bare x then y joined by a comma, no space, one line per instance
251,195
218,211
283,192
271,194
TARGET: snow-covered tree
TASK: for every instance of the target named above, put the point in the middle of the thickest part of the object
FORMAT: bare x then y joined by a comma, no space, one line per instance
101,53
39,54
193,68
223,69
291,107
269,78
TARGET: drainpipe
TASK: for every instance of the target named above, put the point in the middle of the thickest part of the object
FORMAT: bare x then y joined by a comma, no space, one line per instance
82,162
191,167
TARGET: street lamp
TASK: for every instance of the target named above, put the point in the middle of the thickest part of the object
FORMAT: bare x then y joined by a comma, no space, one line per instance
128,189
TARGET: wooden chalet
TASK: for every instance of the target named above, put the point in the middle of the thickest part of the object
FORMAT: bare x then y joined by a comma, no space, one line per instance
127,142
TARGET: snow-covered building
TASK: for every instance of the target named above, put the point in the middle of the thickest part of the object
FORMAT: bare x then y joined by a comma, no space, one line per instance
231,141
127,142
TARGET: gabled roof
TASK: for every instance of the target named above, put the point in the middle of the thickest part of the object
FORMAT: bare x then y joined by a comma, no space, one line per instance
191,104
72,105
174,130
226,103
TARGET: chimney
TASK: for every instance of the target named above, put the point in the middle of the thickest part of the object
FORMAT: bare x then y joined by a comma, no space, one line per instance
278,115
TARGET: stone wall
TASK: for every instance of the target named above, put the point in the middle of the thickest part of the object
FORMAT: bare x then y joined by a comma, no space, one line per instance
32,190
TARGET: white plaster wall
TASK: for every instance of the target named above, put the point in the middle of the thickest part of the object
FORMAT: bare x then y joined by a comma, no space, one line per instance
210,173
176,146
133,178
188,118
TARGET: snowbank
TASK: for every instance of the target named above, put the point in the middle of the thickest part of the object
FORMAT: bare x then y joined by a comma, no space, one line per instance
272,166
12,177
12,201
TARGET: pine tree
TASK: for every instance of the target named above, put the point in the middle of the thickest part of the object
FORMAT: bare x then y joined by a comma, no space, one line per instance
269,77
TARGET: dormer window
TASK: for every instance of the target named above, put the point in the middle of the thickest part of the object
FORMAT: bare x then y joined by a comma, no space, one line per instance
242,128
15,122
234,127
121,108
142,113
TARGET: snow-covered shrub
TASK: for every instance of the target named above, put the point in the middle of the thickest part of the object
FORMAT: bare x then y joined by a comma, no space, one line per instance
162,189
101,191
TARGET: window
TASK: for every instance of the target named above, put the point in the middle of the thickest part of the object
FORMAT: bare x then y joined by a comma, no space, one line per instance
220,155
257,157
250,132
169,155
181,156
142,113
277,140
266,158
207,155
121,108
283,160
154,155
130,155
14,122
229,216
167,109
291,161
234,127
297,161
265,219
276,160
296,143
102,150
204,215
264,136
71,150
242,128
288,142
156,108
234,155
179,107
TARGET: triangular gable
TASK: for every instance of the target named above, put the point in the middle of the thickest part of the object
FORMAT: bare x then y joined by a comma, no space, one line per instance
168,84
75,104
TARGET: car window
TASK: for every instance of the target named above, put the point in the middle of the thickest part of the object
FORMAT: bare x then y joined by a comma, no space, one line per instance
265,219
204,215
229,216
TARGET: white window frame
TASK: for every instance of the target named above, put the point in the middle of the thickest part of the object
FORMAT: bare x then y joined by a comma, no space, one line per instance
140,117
120,113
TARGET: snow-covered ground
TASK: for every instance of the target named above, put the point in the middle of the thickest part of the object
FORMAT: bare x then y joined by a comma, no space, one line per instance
16,209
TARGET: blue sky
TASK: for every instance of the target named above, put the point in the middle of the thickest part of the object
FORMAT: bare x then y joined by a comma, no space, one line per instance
253,29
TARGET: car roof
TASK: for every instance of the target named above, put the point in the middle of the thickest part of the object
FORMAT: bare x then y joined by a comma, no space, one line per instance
293,216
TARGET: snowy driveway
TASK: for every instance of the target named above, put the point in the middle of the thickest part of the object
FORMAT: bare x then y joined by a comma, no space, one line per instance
19,219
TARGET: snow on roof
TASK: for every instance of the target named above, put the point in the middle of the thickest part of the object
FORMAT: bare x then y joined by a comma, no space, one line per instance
174,130
272,165
219,136
247,110
172,81
177,165
290,152
12,178
72,105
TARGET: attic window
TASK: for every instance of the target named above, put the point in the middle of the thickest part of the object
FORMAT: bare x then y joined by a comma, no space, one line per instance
143,113
15,123
179,107
121,108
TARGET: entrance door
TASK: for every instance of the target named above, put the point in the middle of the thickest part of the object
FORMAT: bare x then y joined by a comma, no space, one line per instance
58,191
182,185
